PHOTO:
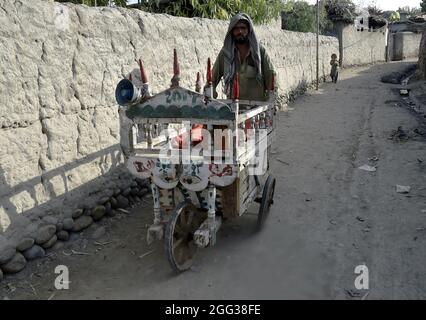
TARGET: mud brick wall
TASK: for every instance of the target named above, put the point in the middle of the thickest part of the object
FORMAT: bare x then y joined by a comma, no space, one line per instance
405,45
59,125
360,47
422,55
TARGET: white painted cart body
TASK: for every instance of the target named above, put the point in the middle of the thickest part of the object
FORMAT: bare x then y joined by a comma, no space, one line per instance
193,192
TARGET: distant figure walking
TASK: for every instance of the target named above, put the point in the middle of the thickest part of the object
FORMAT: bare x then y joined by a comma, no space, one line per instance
334,68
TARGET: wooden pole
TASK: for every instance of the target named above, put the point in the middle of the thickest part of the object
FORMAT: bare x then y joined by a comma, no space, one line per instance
317,86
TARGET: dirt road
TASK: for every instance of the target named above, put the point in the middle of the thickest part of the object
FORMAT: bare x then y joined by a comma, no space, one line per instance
328,217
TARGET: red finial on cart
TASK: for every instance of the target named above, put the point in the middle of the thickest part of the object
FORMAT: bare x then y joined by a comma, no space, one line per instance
176,70
209,72
143,75
198,83
130,77
236,87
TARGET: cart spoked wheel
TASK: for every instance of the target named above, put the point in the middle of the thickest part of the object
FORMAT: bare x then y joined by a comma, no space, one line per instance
266,202
179,242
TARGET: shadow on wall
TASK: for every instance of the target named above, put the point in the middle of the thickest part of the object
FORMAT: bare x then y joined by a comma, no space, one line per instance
13,223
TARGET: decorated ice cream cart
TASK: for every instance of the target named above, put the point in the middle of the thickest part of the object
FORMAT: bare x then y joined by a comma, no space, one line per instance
206,158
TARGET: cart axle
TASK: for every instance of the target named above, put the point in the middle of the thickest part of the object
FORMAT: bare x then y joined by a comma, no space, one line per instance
155,232
202,236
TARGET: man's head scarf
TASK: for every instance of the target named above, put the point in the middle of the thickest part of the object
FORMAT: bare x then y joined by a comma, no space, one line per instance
230,54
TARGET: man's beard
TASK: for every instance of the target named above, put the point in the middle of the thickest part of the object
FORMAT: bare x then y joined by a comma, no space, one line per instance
241,40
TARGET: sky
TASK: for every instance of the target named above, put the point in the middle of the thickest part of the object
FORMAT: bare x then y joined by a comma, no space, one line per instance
385,4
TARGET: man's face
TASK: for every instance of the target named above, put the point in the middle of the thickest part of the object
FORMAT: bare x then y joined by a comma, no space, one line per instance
240,32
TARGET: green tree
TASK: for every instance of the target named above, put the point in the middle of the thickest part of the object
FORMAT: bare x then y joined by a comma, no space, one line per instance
375,10
423,6
100,3
326,25
394,16
261,11
341,10
411,11
300,16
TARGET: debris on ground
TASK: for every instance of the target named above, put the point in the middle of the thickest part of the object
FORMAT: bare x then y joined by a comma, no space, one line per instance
367,229
407,101
368,168
353,293
402,189
365,295
283,162
398,77
419,132
393,77
74,252
10,288
403,92
399,134
102,243
360,219
147,253
391,101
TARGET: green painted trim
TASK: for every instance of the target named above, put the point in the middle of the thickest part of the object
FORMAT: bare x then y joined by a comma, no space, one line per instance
186,111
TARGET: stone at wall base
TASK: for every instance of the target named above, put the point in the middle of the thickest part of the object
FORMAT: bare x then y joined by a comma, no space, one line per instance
45,233
6,254
98,212
63,235
15,265
77,213
68,224
82,223
50,243
34,252
25,244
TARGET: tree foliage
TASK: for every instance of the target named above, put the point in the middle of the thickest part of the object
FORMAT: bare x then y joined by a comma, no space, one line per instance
423,6
300,16
261,11
411,11
375,10
341,10
100,3
394,16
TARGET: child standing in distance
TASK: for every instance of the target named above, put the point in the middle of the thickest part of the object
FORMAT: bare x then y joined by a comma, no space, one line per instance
334,68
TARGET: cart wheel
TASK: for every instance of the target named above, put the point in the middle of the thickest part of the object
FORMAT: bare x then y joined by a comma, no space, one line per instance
179,243
266,202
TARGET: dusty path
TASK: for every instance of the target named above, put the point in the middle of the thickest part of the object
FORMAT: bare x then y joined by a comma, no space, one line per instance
328,217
